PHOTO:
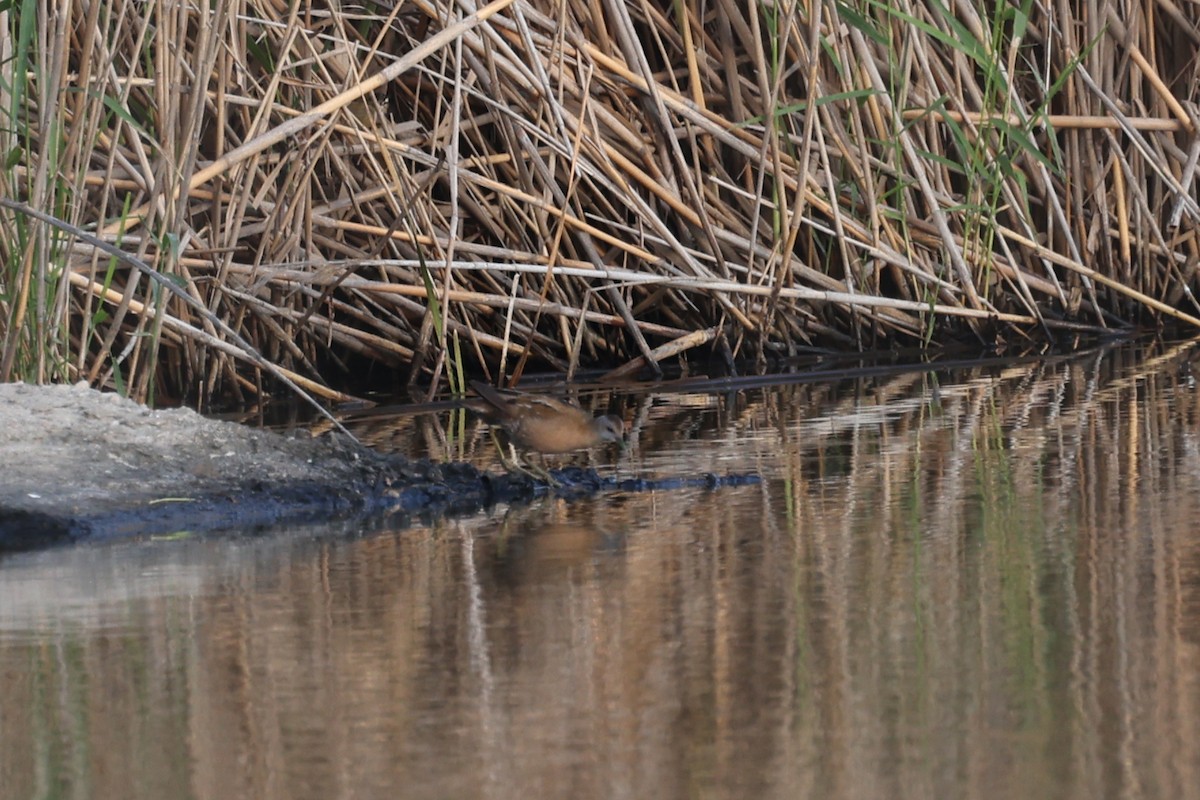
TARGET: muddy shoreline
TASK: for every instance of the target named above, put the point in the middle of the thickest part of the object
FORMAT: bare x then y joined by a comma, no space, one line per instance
76,464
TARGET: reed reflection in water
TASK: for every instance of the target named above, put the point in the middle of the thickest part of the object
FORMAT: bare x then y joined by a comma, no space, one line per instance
985,589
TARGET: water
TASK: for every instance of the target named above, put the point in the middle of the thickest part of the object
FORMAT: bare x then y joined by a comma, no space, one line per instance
986,585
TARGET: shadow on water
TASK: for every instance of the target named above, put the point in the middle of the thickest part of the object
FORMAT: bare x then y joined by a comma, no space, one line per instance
979,583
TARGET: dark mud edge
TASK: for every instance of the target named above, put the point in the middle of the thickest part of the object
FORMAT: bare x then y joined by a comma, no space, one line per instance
78,464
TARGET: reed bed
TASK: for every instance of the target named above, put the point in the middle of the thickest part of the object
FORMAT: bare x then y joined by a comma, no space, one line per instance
196,197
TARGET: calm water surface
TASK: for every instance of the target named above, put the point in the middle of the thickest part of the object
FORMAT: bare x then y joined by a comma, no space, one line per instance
976,584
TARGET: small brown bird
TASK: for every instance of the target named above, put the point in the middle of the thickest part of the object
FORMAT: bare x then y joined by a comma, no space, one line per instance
545,424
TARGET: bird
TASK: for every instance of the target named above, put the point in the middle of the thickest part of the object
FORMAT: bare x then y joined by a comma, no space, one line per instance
545,424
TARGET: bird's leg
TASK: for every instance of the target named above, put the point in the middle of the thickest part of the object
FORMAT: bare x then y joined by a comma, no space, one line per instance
539,472
514,463
536,471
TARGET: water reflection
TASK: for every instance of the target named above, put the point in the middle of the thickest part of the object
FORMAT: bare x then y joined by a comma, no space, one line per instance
980,586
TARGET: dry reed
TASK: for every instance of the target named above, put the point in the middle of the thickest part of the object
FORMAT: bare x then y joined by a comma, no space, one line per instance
434,187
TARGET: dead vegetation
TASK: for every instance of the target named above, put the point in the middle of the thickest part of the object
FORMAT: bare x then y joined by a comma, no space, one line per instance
433,187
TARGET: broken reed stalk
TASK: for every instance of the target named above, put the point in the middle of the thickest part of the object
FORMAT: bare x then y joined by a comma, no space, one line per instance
585,183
